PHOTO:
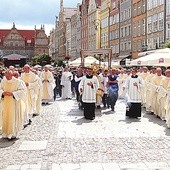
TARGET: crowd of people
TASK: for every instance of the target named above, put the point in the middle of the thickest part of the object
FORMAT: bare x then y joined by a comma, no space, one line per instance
23,91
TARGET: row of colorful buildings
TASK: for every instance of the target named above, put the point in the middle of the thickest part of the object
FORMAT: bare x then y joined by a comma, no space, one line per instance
130,28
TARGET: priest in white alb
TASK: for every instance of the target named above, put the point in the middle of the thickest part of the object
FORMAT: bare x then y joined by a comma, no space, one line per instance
31,83
48,82
12,91
66,79
162,95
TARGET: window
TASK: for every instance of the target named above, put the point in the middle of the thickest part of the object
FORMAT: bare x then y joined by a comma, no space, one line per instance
125,31
155,23
134,10
155,43
168,8
139,45
125,46
149,25
168,34
143,27
139,8
121,32
134,46
161,38
143,6
129,45
139,28
129,29
129,13
117,48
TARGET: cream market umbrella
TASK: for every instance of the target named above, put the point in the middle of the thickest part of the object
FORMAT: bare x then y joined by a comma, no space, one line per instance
161,58
75,63
90,60
142,61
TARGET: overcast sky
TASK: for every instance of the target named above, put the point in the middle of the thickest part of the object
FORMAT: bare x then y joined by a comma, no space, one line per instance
28,13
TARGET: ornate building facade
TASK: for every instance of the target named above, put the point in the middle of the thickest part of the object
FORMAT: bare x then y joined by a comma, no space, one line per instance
27,43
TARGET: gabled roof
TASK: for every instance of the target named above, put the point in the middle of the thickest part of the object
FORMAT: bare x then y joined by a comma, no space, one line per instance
4,33
28,34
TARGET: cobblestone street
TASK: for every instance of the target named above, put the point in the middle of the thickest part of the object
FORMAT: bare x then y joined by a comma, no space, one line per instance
61,139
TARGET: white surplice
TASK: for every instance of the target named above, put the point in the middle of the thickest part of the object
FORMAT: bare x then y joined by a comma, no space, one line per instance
66,79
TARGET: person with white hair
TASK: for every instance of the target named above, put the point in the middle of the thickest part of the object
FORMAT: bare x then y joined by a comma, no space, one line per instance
48,82
31,83
155,83
66,79
12,91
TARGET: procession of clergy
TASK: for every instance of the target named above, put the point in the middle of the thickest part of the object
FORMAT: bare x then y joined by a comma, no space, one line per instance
22,94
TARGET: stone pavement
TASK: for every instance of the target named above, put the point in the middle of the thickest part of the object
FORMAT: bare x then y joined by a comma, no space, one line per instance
61,139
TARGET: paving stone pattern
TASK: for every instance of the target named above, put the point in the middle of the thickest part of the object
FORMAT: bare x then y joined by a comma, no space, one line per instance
61,139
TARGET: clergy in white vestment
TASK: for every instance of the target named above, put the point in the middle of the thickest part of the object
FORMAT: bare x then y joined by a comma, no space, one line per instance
148,87
66,79
100,90
23,103
12,91
121,81
162,95
155,83
133,86
48,85
167,107
39,92
31,83
144,74
88,87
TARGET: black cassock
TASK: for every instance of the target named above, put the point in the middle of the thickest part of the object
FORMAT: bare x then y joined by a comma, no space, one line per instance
89,110
133,110
134,105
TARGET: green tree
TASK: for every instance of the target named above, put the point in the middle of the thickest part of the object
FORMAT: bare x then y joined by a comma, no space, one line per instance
167,44
41,59
60,63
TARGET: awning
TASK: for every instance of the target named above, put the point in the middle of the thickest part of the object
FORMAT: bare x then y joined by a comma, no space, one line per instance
14,57
142,54
123,56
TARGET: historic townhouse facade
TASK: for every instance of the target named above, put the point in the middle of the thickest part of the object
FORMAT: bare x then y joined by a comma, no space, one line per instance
41,42
114,28
64,15
125,28
27,43
52,43
155,24
56,40
94,25
139,39
84,24
128,27
104,17
75,34
68,37
167,25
